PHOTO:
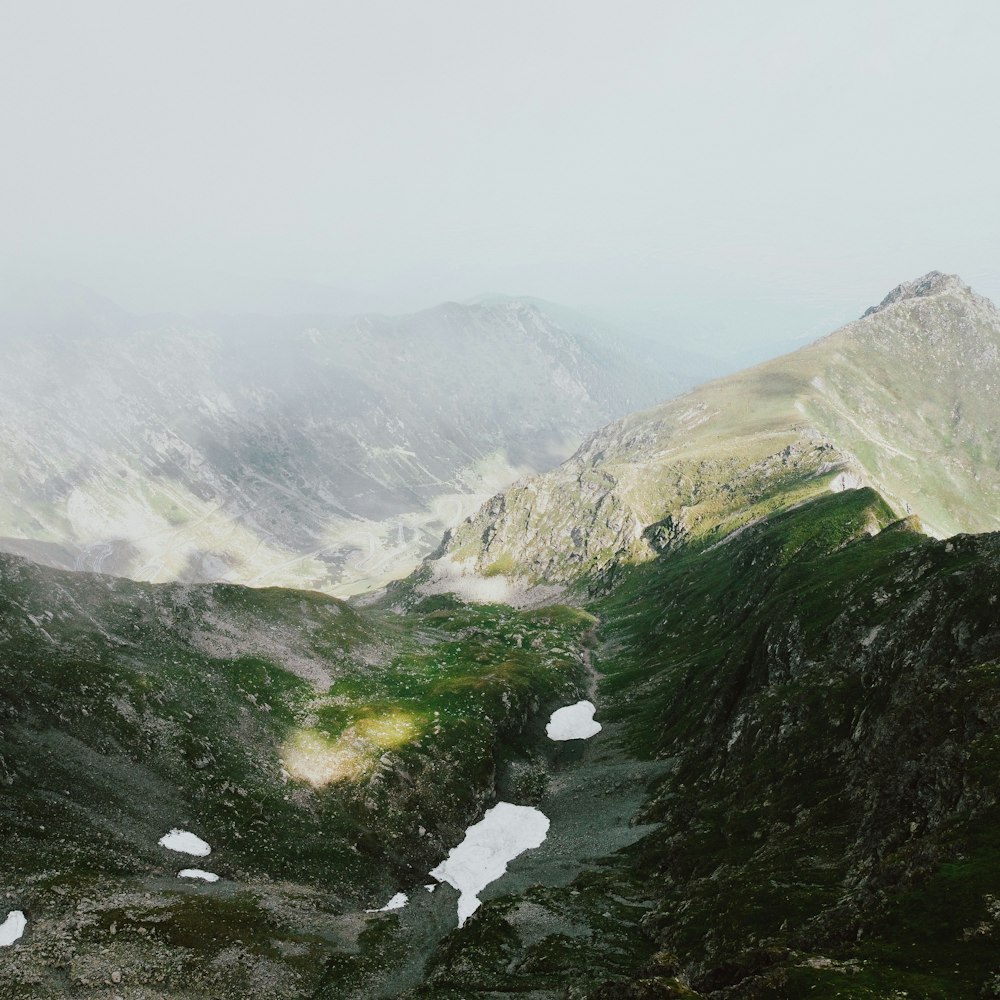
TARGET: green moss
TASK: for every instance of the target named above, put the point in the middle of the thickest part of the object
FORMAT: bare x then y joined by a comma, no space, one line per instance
503,566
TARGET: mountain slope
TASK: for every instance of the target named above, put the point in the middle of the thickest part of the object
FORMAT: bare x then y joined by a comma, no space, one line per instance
794,794
822,695
804,718
830,701
306,451
329,756
902,399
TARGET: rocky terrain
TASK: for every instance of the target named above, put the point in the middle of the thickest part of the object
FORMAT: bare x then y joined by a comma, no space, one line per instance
309,451
821,696
329,756
793,791
903,399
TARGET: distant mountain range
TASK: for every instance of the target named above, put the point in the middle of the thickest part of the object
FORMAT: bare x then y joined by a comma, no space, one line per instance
307,451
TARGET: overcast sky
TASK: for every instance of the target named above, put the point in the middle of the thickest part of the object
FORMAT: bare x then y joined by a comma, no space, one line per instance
738,172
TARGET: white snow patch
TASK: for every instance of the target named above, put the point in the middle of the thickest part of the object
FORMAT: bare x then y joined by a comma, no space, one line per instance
574,722
500,836
396,903
184,843
198,873
12,928
431,887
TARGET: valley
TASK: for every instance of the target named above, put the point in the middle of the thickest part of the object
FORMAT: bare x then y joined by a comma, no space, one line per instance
320,452
780,593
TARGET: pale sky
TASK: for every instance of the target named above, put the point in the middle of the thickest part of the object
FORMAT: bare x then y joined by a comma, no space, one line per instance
736,173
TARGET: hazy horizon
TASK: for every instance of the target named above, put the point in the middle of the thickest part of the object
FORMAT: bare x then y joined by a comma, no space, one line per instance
706,174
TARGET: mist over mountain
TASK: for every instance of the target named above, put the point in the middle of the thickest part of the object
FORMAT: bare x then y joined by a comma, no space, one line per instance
307,451
495,503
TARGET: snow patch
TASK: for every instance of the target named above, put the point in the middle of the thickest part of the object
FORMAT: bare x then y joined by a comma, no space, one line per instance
12,928
574,722
396,903
184,843
505,832
198,873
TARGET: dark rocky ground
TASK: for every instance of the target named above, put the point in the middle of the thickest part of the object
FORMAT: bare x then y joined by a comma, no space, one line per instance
795,793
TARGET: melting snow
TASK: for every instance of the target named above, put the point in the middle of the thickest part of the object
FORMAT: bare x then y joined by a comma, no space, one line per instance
12,928
574,722
500,836
198,873
185,843
396,903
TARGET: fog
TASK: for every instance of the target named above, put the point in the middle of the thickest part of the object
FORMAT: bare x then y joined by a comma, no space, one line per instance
727,175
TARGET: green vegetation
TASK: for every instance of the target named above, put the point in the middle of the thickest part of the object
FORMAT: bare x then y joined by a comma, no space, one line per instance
824,684
799,691
328,755
830,700
499,567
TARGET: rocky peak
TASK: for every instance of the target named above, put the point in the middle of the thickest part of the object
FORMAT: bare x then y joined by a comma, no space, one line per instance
932,283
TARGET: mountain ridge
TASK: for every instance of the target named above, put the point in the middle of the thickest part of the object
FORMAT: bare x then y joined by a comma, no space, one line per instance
931,283
793,793
919,372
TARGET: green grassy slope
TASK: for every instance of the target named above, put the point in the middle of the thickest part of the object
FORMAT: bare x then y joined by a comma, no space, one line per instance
330,756
902,400
815,701
823,691
831,701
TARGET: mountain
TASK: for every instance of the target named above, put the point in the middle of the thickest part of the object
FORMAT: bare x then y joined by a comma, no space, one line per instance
903,400
327,755
813,672
305,451
794,791
656,344
816,705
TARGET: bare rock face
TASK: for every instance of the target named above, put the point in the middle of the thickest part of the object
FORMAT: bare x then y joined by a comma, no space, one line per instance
932,283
